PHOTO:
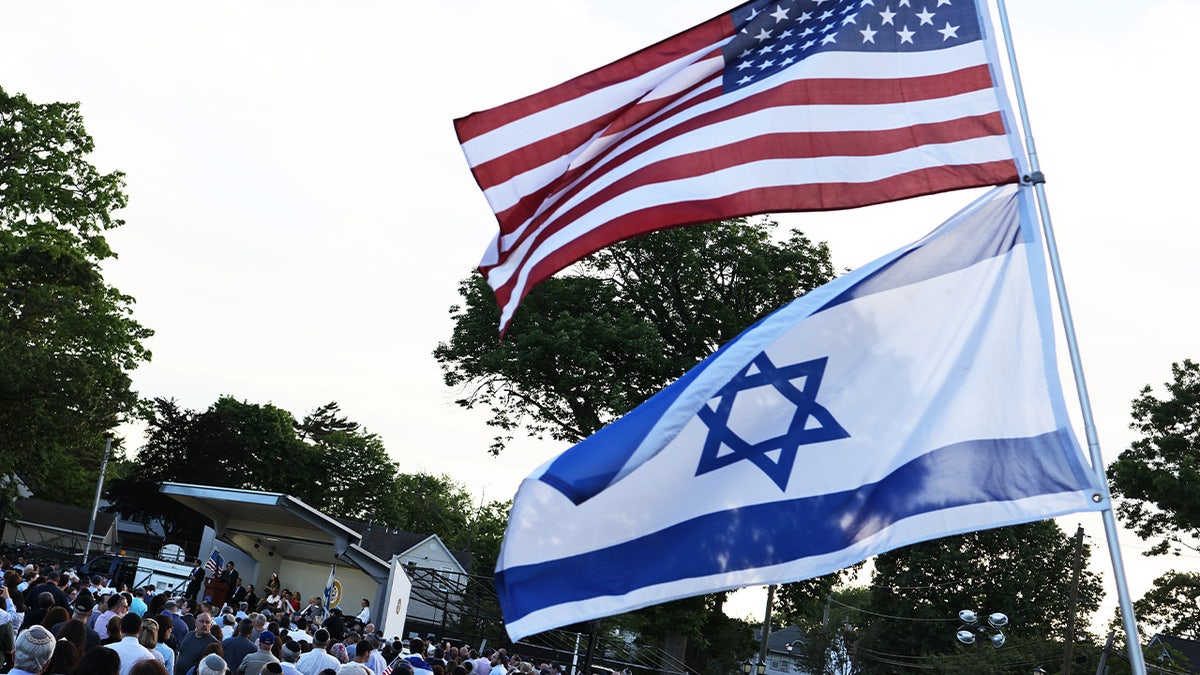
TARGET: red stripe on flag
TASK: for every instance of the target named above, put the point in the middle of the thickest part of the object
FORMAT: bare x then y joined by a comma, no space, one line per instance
710,33
766,147
760,200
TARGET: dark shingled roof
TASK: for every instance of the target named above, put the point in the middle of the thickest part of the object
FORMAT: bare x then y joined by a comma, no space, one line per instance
1189,648
65,516
384,543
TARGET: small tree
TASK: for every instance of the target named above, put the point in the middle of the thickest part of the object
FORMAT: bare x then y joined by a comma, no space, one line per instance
1158,476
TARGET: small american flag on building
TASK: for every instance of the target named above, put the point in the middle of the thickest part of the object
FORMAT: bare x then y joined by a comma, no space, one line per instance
215,562
781,105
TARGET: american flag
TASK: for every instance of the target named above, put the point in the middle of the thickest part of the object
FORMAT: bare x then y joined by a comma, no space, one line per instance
780,105
215,562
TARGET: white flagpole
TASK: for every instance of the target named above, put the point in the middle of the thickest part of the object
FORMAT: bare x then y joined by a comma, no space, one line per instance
1038,181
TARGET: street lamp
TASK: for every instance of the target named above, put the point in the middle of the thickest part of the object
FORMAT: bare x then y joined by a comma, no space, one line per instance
972,629
749,667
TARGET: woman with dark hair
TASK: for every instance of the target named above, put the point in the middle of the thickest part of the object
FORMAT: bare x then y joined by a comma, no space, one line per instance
99,662
156,605
251,597
164,633
75,632
55,616
64,660
114,631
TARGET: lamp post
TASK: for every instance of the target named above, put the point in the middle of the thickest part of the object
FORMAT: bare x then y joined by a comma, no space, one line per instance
972,629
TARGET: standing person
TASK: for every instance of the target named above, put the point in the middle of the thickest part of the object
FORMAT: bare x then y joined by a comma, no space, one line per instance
417,658
195,581
128,648
253,664
165,629
239,646
318,659
64,660
288,656
364,616
117,607
193,644
32,651
359,665
230,575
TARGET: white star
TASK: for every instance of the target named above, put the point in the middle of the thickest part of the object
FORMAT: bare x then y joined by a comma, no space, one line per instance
850,19
904,3
786,34
888,15
743,65
868,35
765,64
753,13
848,9
804,17
949,32
787,62
828,13
807,31
780,13
864,3
832,37
766,50
821,2
763,35
943,2
745,80
808,44
828,27
787,48
746,53
905,35
925,16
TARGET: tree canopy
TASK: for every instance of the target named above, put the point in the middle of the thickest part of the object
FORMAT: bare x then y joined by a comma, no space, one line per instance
588,346
68,340
1157,479
1023,571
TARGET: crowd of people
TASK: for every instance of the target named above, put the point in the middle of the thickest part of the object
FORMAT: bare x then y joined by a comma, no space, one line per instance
56,623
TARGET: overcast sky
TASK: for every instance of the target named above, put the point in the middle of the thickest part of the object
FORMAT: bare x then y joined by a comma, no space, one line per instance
300,212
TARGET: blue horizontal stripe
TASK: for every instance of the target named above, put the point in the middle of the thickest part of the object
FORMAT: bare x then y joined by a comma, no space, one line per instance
974,472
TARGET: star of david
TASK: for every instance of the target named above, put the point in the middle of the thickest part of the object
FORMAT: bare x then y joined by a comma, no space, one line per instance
810,422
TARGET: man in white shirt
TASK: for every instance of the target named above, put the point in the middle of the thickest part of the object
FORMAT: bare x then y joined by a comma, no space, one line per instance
128,649
318,659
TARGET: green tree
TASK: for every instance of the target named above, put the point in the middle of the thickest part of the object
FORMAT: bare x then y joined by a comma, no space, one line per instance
1023,571
1170,606
1157,479
426,503
587,347
251,446
68,341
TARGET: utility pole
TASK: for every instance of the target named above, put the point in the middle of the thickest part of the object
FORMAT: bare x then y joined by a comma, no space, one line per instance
766,631
87,547
1069,641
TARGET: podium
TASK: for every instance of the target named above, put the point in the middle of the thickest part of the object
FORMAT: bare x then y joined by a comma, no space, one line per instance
215,592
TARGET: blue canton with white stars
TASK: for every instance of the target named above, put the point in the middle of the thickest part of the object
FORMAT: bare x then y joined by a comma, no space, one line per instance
772,35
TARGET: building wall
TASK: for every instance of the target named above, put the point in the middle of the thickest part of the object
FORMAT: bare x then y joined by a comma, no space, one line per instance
309,580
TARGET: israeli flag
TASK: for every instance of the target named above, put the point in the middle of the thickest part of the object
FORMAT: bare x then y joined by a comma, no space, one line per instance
914,398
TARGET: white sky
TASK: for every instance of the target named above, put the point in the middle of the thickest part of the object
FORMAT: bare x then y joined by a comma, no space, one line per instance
300,213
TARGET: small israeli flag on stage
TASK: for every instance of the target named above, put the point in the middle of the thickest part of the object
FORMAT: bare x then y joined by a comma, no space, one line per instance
914,398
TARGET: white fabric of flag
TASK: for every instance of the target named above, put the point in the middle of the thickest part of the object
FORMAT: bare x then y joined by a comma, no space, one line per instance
914,398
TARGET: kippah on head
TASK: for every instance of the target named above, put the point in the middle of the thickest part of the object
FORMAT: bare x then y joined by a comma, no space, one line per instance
33,648
212,665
